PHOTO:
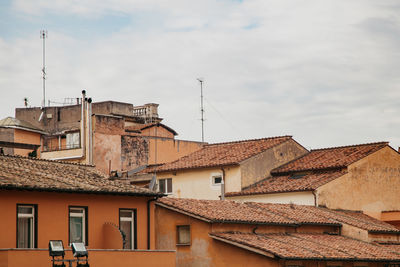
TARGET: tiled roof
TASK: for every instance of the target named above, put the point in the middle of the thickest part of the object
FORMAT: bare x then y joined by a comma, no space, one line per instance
45,175
11,122
300,246
224,154
289,183
329,158
309,214
267,213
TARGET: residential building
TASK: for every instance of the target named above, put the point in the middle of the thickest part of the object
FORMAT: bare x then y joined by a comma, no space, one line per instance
228,233
111,135
224,166
362,177
19,137
44,200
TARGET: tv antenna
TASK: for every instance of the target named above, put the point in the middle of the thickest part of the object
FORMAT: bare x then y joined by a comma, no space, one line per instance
43,35
201,80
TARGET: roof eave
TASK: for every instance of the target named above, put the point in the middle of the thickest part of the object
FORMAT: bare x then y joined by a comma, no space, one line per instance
71,191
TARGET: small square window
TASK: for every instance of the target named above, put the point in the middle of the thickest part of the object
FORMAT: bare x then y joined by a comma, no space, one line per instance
217,180
165,185
183,234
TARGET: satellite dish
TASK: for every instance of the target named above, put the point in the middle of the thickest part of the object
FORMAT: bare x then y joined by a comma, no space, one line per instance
41,116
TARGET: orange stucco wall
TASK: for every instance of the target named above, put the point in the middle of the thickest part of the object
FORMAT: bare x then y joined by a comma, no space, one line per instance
53,216
97,258
26,137
170,149
157,131
205,251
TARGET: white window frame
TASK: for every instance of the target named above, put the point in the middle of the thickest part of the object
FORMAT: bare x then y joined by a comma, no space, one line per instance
73,140
130,219
78,215
30,216
213,185
168,191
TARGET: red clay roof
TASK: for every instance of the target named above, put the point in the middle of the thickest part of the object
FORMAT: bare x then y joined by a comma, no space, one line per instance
223,154
301,246
45,175
289,183
329,158
267,213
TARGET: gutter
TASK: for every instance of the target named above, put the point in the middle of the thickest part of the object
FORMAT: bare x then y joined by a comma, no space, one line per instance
148,220
73,157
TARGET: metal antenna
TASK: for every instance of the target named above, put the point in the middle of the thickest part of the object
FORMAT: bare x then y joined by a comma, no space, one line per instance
201,80
43,35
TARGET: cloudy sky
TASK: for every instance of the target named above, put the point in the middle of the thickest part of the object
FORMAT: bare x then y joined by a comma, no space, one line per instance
325,71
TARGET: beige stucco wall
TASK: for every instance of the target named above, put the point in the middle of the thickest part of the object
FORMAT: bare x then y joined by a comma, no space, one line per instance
198,183
371,185
299,198
258,167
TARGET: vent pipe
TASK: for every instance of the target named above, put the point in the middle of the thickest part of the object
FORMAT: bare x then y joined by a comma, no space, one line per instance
83,124
90,134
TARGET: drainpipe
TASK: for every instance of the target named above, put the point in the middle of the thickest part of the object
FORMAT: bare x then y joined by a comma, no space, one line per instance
223,184
90,134
83,109
315,198
148,220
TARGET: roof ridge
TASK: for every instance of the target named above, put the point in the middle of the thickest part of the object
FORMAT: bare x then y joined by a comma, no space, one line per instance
49,160
248,140
347,146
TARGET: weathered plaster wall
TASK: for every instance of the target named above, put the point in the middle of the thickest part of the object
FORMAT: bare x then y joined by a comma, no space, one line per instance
299,198
371,185
134,151
198,183
169,149
7,135
258,167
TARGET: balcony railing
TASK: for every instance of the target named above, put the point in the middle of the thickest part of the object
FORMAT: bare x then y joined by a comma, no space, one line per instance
59,148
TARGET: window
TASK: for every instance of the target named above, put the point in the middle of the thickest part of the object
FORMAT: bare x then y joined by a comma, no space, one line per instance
165,185
127,224
26,226
78,225
183,235
216,179
73,140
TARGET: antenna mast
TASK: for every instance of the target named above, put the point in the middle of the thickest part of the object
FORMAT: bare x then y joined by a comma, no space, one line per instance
43,35
201,80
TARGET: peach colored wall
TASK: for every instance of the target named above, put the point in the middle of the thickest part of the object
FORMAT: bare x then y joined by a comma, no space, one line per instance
258,167
157,131
53,215
26,137
97,258
371,185
299,198
170,149
107,148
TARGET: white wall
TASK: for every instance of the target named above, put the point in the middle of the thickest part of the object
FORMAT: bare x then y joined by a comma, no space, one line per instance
300,198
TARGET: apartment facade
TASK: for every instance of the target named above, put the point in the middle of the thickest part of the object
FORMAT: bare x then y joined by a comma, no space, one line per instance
227,233
224,167
46,200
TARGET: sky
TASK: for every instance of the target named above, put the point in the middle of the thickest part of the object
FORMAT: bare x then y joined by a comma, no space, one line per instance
326,72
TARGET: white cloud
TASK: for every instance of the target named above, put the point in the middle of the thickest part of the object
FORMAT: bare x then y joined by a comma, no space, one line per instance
324,71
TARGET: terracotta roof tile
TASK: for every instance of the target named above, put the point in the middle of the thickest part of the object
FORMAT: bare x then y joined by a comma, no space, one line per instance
223,211
253,212
223,154
329,158
310,246
290,183
45,175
